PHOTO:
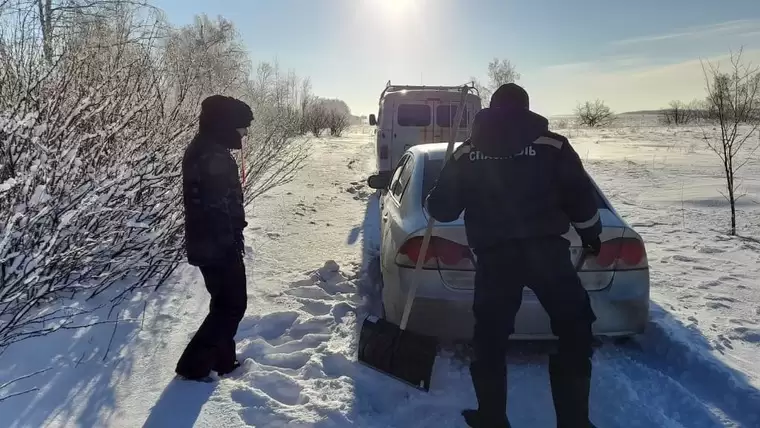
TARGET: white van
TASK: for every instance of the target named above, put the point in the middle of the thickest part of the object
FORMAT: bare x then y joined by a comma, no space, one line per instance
411,115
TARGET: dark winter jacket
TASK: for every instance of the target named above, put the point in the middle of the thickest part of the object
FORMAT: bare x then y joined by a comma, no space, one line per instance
212,192
515,179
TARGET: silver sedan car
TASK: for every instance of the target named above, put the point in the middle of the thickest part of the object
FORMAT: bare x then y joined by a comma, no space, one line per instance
617,279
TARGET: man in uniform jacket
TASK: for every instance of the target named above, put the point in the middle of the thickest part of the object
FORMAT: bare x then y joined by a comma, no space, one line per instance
521,187
214,223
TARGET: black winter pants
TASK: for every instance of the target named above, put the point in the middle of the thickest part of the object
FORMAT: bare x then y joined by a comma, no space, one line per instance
213,345
543,265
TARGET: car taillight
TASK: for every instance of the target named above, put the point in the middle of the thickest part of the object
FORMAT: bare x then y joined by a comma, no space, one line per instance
618,254
441,254
383,152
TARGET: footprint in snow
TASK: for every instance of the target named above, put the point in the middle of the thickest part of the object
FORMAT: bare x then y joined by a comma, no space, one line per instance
292,361
274,325
747,334
725,341
716,298
315,307
309,292
293,354
709,284
711,250
287,341
311,326
337,365
682,258
359,190
249,398
336,288
340,310
717,305
278,386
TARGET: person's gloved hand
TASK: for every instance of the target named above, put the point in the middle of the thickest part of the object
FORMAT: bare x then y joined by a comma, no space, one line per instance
592,246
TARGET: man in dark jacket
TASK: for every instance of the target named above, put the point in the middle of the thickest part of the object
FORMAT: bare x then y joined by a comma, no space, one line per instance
214,223
521,187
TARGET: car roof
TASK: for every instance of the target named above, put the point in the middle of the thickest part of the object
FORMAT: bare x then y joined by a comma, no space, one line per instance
432,151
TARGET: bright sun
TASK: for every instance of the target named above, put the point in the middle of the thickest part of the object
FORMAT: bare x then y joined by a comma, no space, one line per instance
395,9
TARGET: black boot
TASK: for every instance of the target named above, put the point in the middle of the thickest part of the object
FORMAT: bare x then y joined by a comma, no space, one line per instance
228,369
474,419
570,391
491,392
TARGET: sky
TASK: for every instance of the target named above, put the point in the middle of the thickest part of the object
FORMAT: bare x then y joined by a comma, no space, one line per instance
634,55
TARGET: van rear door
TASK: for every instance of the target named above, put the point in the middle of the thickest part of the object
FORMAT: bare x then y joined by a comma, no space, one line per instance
445,113
414,122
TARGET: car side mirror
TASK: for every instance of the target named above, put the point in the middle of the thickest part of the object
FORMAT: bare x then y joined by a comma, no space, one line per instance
372,120
378,181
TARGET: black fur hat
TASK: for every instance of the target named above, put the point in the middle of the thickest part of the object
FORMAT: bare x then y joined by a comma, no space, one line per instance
221,116
510,96
222,112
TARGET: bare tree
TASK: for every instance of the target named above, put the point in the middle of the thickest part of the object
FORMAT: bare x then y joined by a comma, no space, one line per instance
733,101
594,114
680,113
501,72
55,16
203,58
305,100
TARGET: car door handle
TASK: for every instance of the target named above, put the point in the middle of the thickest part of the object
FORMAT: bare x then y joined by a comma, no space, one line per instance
385,217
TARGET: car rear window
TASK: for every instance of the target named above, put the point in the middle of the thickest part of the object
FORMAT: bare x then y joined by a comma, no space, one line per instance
445,115
433,168
414,115
429,176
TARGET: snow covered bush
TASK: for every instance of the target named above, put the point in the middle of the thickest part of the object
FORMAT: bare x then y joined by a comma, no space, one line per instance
331,114
317,117
95,113
338,116
275,150
89,172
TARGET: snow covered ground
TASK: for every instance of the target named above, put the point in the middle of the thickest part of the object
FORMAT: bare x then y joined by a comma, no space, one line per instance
313,276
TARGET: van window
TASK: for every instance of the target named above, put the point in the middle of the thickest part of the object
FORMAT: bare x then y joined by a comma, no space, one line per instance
414,115
446,114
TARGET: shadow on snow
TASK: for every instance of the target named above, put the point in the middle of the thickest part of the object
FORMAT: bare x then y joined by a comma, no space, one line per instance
80,389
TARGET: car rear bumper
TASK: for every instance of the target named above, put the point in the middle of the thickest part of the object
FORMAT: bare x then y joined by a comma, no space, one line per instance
622,309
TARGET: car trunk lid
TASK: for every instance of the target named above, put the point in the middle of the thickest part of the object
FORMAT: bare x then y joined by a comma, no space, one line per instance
594,279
